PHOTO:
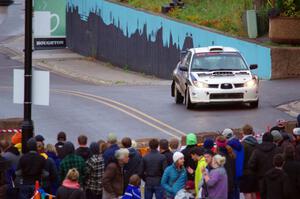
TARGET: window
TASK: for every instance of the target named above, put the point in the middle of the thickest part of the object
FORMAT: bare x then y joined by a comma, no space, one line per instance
218,61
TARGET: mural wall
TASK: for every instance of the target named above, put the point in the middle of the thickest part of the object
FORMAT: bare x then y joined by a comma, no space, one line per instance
144,42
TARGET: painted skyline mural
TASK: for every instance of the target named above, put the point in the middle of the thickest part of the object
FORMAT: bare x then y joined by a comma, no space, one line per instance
157,40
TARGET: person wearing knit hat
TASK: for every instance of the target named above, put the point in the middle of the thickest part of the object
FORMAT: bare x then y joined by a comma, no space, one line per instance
31,166
208,143
113,147
221,141
277,137
228,133
225,150
191,141
175,176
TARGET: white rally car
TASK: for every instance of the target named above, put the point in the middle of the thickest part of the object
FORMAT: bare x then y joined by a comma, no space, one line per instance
214,74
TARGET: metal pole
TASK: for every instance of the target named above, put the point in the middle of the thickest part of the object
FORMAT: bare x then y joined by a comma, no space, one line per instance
27,124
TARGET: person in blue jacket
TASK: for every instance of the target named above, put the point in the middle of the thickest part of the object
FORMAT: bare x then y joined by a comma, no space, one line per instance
174,177
133,188
239,164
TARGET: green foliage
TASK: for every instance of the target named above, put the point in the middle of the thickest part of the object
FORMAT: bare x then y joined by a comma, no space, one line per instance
289,8
223,15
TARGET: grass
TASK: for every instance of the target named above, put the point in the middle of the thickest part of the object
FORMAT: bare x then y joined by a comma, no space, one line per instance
223,15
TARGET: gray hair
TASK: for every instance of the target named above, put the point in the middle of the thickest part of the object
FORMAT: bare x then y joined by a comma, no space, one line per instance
220,160
121,153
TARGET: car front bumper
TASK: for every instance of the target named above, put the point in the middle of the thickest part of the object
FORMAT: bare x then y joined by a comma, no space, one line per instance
211,95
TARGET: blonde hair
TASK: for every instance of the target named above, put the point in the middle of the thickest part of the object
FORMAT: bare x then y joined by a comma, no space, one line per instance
73,174
219,160
51,148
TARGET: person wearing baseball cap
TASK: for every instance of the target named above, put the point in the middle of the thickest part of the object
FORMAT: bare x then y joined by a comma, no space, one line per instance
228,134
175,176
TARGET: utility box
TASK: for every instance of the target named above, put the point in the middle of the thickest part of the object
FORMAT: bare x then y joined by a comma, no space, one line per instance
251,23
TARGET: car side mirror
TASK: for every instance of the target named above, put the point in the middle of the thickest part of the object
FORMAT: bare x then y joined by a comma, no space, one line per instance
183,68
253,66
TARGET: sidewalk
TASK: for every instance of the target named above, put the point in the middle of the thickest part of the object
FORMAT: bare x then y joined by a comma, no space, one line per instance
292,108
67,63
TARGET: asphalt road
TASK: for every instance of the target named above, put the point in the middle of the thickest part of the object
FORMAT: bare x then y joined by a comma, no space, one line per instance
135,111
90,109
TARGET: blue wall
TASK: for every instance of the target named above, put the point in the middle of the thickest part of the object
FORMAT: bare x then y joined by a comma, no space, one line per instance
130,22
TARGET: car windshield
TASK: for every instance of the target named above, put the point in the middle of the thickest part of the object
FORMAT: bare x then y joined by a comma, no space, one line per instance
217,61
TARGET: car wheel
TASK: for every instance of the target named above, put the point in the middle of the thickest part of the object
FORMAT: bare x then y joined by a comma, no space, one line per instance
188,103
178,97
254,104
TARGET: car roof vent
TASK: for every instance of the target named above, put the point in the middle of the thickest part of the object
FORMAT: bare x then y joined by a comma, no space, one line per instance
215,48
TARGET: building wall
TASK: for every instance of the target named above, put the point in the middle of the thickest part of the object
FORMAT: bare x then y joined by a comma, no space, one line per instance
145,42
285,62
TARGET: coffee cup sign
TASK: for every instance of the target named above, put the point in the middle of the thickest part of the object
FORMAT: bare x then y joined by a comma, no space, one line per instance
42,23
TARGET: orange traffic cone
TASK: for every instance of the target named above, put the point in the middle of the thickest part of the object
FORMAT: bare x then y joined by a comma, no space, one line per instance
36,190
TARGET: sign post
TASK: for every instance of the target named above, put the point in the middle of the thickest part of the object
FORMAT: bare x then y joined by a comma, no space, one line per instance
27,124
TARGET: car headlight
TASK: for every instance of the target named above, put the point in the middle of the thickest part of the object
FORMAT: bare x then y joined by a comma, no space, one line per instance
251,84
200,84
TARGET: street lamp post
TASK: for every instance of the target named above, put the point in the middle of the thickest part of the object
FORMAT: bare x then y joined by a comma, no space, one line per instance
27,124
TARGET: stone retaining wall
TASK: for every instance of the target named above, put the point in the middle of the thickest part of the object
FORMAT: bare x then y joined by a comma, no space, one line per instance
285,62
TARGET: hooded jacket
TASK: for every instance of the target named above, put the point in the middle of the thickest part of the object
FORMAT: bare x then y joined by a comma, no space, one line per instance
133,165
275,185
239,159
70,190
173,180
292,169
132,192
191,141
109,153
199,175
31,172
261,159
249,143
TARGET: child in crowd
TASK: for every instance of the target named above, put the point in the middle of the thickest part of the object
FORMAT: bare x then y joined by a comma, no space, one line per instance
188,192
133,189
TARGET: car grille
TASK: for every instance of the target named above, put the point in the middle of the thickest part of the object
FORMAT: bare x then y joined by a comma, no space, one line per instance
223,74
226,86
238,85
226,96
213,85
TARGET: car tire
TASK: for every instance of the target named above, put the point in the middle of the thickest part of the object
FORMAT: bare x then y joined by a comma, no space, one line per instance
254,104
188,104
177,95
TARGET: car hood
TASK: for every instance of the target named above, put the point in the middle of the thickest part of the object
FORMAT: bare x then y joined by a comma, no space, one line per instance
223,77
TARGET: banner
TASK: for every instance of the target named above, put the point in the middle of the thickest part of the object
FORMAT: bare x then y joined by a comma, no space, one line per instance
49,24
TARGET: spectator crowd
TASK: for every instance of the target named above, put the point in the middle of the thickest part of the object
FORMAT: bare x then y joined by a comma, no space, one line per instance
224,167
